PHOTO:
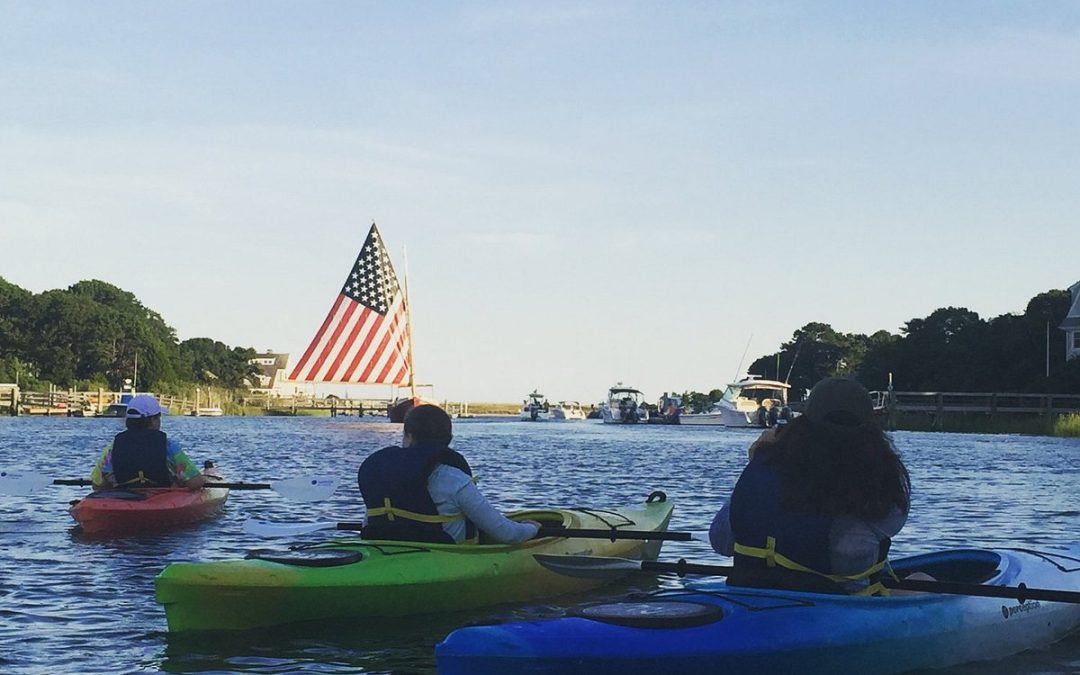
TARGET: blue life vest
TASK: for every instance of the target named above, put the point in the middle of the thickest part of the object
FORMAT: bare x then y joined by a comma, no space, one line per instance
139,459
393,482
782,548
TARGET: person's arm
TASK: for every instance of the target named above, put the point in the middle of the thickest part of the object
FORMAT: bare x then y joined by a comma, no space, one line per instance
855,544
490,520
720,536
101,475
182,469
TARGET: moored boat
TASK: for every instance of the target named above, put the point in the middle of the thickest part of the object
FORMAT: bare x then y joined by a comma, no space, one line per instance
126,511
535,408
624,405
746,403
371,579
710,627
567,411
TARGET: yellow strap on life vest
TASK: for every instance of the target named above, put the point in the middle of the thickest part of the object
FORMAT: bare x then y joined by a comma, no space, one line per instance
140,479
773,559
391,512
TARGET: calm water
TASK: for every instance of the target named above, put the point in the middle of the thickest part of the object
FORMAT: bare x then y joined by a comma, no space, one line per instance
73,605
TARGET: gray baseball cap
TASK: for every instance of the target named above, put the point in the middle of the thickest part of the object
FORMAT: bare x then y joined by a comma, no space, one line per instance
839,401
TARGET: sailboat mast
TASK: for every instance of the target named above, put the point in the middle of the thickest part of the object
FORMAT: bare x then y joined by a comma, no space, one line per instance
408,325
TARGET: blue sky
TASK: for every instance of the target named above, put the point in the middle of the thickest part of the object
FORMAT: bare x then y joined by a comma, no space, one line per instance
589,192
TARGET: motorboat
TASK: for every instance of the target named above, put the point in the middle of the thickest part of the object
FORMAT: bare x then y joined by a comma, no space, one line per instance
567,411
624,405
535,408
669,409
746,403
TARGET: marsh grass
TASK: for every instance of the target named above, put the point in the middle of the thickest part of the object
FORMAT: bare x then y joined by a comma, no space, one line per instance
975,423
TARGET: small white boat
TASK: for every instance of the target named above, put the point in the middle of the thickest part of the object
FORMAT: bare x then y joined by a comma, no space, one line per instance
535,408
624,405
746,403
567,411
207,412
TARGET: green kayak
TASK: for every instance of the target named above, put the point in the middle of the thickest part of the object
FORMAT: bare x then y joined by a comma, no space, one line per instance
361,579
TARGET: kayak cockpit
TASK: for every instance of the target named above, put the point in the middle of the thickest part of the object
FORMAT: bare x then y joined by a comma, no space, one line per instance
973,566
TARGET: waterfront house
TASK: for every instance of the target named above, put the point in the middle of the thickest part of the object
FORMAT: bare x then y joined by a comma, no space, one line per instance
1071,324
272,377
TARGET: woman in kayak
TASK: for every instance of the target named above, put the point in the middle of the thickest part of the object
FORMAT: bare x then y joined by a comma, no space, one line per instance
820,500
143,456
423,490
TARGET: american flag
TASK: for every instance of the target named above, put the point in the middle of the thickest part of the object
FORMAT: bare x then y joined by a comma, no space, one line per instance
365,338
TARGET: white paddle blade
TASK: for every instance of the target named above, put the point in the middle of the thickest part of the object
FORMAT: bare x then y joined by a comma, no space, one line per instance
306,488
586,566
22,482
262,528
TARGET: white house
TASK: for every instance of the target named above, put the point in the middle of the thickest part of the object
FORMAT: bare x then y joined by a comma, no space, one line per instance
272,377
1071,324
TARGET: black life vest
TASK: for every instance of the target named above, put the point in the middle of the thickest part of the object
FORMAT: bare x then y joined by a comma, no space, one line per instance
393,482
781,548
139,459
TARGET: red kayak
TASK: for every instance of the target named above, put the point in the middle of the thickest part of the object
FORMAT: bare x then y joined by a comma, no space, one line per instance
132,510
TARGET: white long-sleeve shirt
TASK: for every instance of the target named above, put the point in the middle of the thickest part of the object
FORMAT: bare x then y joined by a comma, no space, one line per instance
453,492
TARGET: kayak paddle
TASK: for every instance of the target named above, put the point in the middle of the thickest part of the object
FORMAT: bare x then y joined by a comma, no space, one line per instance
262,528
299,488
593,567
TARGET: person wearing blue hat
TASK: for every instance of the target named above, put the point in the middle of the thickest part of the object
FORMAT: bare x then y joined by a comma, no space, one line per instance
143,456
820,500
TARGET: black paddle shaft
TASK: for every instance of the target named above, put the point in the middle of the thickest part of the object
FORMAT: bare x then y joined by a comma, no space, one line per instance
85,482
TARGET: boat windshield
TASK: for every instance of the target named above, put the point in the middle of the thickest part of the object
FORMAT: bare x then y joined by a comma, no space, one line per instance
754,392
620,394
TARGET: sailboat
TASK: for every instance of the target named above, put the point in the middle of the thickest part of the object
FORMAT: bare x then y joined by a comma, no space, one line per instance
366,338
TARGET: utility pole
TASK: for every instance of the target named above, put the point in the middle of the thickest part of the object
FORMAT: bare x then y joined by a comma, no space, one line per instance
1047,349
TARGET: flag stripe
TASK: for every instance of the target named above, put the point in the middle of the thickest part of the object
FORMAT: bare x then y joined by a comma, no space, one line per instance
379,350
360,355
395,357
332,343
355,355
318,336
400,377
334,371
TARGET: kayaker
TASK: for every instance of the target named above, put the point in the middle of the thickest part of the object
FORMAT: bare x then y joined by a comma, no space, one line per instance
143,456
820,499
423,490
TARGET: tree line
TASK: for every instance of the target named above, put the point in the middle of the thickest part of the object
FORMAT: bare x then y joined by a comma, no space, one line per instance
90,335
951,349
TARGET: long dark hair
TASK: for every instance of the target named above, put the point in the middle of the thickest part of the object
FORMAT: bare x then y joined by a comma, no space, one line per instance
834,470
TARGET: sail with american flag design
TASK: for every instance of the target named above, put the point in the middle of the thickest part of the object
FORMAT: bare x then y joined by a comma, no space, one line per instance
366,337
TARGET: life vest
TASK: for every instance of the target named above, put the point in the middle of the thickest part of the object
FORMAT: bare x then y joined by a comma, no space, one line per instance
777,547
393,482
139,459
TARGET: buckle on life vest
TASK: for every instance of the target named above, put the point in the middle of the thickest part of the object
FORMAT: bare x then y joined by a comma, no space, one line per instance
139,479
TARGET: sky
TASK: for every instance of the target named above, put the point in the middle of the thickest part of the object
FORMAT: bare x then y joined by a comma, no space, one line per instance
589,192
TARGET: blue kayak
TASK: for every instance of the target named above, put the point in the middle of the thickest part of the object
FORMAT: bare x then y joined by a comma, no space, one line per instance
710,627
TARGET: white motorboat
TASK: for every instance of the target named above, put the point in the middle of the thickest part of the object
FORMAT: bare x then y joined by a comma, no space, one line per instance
567,411
624,405
535,408
746,403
